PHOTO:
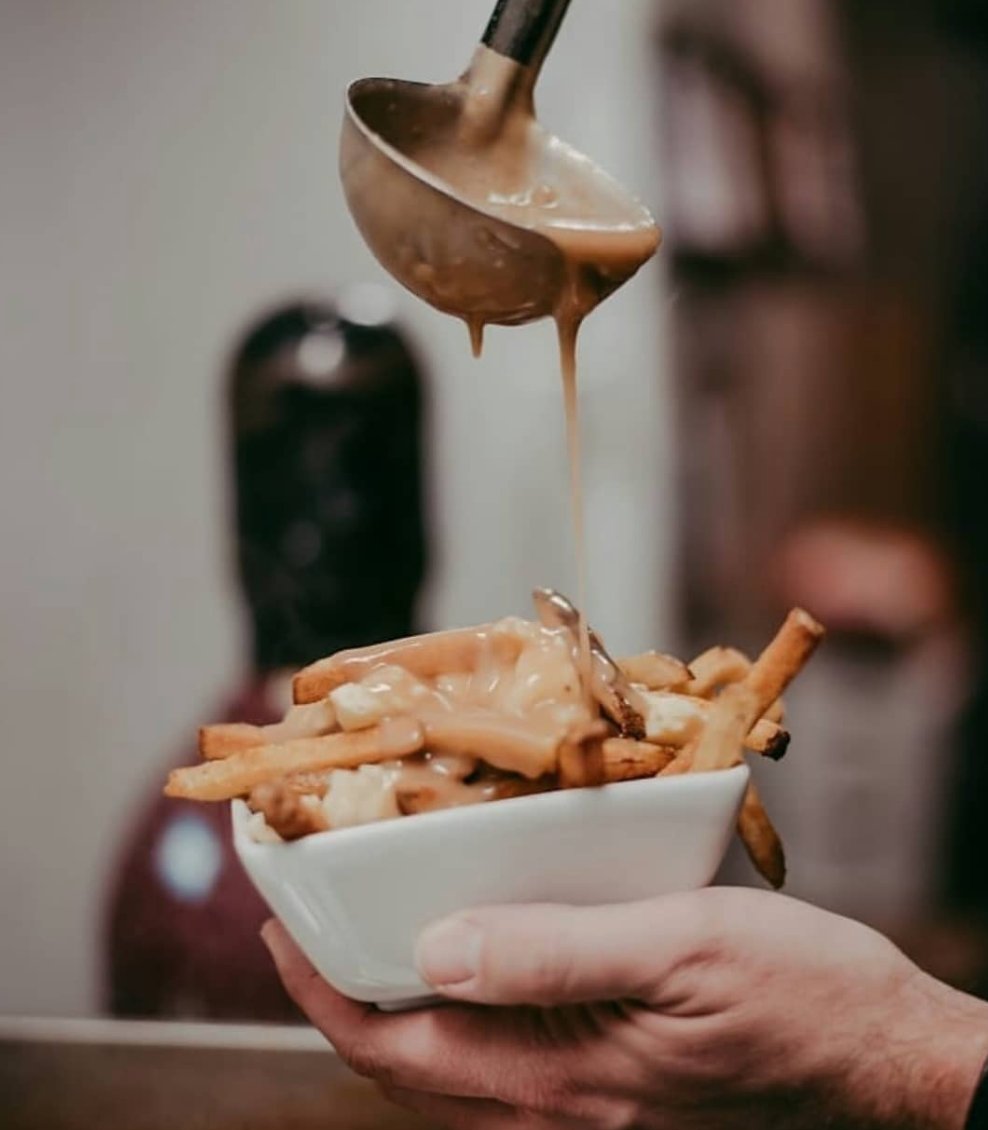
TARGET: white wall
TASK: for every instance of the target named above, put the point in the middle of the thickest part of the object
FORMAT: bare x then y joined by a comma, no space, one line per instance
166,168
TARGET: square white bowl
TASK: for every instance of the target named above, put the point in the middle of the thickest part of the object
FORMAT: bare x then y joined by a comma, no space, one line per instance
356,899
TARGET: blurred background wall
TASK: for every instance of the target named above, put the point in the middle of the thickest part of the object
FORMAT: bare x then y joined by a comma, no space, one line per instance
166,170
788,408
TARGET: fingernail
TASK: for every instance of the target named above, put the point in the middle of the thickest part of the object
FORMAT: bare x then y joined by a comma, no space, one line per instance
448,953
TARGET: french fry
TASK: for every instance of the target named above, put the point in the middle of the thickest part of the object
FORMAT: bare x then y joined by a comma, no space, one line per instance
675,719
656,671
425,798
217,742
287,812
740,705
776,712
507,743
590,755
511,785
760,839
629,760
717,667
438,653
237,774
767,738
783,658
309,721
774,748
681,763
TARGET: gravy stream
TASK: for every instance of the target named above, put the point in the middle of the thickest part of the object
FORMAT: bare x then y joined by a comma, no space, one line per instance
574,449
502,163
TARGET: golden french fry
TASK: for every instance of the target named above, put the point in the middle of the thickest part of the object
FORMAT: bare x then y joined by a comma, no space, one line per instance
656,671
511,785
681,763
290,814
760,839
767,738
740,705
497,786
309,721
628,760
506,742
784,658
216,742
716,667
604,760
237,774
776,712
675,719
438,653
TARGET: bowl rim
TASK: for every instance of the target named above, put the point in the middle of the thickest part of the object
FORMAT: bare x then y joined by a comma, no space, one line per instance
556,799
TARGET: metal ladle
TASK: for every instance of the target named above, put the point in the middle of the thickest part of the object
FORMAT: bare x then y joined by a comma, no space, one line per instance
456,255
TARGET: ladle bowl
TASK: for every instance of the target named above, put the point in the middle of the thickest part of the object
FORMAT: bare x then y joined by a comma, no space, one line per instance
443,249
457,255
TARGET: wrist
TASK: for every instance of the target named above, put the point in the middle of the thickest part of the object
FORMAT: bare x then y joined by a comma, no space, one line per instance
950,1048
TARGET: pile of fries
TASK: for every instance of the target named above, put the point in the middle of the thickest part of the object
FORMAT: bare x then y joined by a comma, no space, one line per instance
364,739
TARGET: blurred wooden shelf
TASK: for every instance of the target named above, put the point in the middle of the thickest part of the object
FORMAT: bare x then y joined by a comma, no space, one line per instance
74,1075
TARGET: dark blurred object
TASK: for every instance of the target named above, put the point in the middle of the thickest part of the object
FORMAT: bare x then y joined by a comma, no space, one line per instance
325,415
182,933
966,427
828,231
325,407
966,19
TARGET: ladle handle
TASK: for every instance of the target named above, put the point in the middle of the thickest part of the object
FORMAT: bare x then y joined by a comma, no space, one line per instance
523,30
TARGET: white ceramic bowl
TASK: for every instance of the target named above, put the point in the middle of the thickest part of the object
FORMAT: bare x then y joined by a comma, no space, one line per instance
356,899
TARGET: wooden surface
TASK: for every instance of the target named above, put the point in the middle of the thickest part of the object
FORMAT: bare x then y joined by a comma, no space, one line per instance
124,1084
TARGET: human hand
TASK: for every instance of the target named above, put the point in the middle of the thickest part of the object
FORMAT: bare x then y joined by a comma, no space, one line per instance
721,1008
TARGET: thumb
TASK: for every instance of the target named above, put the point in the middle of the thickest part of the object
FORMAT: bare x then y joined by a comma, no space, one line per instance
553,955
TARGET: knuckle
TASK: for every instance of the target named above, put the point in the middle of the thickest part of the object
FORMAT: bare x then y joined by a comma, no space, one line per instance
709,927
550,971
522,962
